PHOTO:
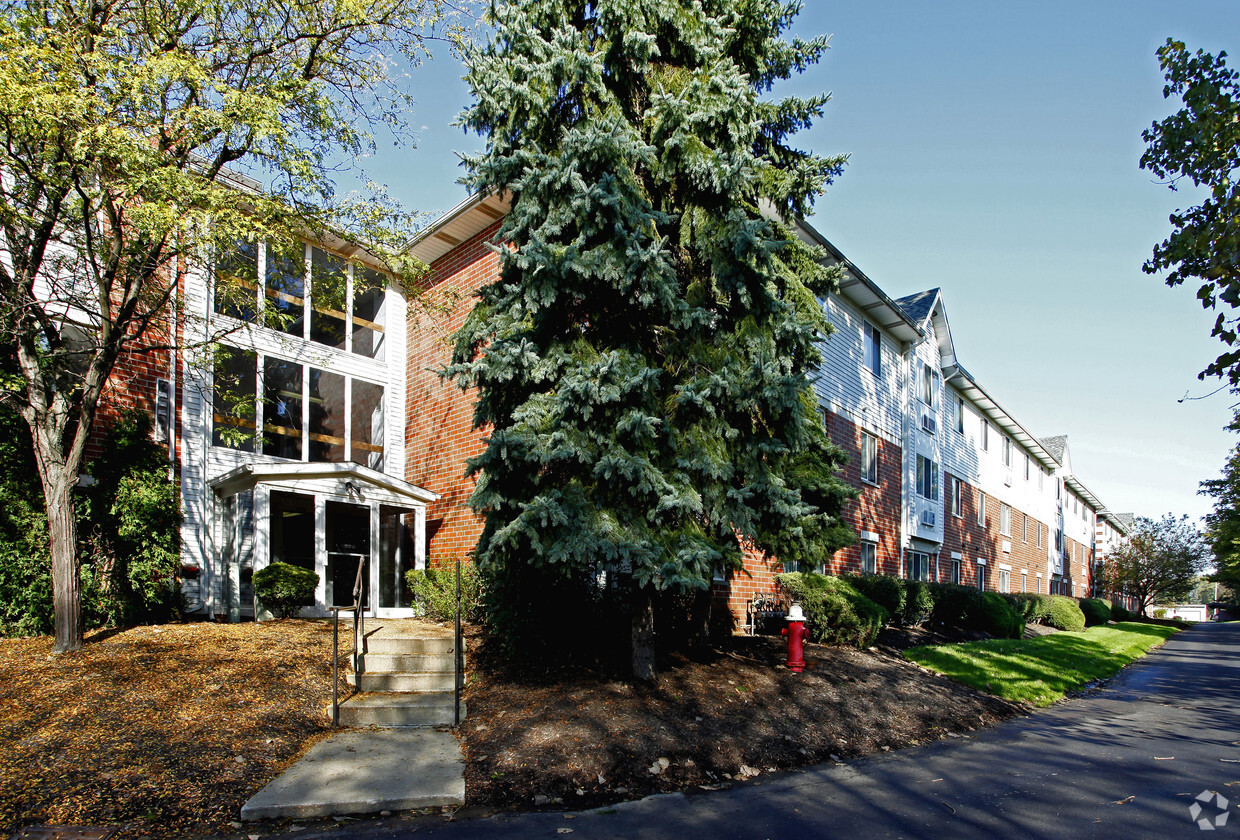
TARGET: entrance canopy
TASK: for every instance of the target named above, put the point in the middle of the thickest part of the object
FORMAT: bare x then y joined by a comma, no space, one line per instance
327,517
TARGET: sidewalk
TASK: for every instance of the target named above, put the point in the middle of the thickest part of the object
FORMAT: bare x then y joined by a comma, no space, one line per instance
365,771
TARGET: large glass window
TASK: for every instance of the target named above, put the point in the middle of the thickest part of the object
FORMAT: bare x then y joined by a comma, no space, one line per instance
329,289
282,416
367,425
307,292
369,312
869,558
236,281
232,400
327,416
286,288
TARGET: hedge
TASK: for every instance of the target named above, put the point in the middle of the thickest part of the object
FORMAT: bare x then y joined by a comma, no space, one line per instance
968,608
835,612
1065,614
1096,610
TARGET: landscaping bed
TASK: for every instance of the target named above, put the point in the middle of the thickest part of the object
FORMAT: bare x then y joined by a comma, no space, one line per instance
564,738
169,729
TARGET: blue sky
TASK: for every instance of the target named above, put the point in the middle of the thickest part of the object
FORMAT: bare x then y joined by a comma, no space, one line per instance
993,153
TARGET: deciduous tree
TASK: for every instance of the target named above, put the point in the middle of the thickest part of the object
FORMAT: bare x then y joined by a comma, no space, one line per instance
1159,562
643,361
1201,143
118,120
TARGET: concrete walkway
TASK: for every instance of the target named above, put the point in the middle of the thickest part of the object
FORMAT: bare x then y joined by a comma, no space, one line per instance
365,771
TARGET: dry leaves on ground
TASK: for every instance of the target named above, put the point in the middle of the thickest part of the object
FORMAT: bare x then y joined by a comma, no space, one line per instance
169,729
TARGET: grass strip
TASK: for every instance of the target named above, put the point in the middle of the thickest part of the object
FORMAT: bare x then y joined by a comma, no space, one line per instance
1039,671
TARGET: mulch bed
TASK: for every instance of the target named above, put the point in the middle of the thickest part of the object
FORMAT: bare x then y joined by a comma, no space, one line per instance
168,730
564,738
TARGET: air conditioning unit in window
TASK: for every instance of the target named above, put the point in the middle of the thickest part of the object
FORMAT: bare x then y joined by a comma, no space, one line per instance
927,423
927,518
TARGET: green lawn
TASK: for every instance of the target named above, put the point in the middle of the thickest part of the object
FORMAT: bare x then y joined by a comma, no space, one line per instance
1040,670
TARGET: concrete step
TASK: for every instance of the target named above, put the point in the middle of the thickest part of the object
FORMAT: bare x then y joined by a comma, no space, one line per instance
403,681
384,643
390,710
408,663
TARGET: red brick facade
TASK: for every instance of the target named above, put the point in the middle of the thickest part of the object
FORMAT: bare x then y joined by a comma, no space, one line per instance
439,433
964,534
877,509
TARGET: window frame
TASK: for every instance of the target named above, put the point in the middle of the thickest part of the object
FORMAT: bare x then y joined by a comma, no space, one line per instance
869,557
870,465
927,478
1005,519
981,508
871,348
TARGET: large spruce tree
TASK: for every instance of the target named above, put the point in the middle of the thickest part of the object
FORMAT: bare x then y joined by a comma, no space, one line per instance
643,361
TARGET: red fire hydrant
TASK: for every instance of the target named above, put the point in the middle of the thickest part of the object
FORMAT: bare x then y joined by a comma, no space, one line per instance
795,631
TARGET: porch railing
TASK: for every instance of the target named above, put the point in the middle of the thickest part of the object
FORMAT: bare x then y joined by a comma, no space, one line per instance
359,636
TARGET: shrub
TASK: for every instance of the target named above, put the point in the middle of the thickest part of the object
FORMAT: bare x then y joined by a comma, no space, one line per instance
1096,610
1031,607
968,608
1160,613
836,613
434,591
1065,614
883,590
1121,613
918,602
285,589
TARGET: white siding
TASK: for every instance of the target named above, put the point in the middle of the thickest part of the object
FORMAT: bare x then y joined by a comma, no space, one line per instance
847,387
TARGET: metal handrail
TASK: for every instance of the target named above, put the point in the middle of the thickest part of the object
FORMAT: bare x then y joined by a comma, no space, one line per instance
359,634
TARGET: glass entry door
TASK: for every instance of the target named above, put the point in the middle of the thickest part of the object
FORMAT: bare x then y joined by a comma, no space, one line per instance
348,545
396,555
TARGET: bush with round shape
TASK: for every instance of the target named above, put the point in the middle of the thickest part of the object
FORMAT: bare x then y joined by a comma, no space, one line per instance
918,603
883,590
1065,614
284,589
836,613
1121,613
996,617
434,591
1031,607
968,608
1097,611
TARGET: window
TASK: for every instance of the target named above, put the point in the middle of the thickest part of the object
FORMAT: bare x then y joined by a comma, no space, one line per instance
1038,528
960,415
1005,580
1024,581
929,384
282,383
1007,452
869,558
1041,474
917,566
985,435
340,418
1005,520
304,292
1024,527
957,492
1026,466
869,458
981,508
981,577
236,281
233,399
927,478
956,570
873,348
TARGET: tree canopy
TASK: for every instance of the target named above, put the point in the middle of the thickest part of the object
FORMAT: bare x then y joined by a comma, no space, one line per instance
1223,523
643,362
1201,143
120,119
1159,562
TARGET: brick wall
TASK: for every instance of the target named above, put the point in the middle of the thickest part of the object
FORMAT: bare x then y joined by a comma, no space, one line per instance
877,509
439,431
963,534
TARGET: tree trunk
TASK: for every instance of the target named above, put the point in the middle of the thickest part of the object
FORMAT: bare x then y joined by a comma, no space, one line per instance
66,582
643,634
